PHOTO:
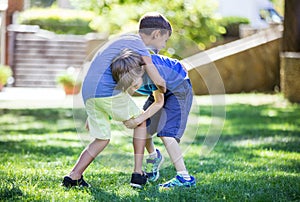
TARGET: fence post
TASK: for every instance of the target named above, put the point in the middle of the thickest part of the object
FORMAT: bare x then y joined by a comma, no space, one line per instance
290,56
290,74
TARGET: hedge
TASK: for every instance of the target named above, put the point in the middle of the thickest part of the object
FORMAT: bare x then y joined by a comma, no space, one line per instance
60,21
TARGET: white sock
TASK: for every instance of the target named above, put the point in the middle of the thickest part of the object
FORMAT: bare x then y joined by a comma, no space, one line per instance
153,154
184,174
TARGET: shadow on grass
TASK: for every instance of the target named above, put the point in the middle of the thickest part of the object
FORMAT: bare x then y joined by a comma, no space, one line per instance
36,121
50,115
106,190
235,159
10,191
257,188
29,147
247,122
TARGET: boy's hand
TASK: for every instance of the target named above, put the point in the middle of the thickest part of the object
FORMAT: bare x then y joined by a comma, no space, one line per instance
131,123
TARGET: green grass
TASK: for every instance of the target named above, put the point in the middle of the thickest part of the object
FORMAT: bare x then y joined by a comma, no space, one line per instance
256,158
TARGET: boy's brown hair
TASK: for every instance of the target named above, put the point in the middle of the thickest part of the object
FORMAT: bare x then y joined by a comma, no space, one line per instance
126,68
154,21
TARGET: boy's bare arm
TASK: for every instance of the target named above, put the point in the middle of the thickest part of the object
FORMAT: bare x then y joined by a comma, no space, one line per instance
154,74
152,109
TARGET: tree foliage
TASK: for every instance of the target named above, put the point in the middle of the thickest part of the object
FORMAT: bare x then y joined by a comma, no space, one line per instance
192,20
194,24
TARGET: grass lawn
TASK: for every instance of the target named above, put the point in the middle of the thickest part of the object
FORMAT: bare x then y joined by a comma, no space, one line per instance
255,158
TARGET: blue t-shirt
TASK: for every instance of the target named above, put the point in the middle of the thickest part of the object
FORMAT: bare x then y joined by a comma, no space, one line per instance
99,81
171,70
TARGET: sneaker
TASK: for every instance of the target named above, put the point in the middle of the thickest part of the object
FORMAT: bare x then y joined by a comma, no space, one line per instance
178,181
138,180
68,182
153,165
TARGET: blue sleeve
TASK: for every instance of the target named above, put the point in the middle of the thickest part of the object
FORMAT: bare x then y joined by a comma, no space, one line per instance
147,87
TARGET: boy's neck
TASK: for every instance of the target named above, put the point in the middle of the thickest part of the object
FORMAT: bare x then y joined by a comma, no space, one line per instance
146,38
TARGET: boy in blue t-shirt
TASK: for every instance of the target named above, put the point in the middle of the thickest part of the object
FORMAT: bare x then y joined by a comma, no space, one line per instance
172,109
99,93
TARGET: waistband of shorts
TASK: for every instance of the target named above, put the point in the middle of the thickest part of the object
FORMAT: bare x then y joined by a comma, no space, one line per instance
109,97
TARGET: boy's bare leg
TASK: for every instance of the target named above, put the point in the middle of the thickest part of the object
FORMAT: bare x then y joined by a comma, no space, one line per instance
174,152
139,142
149,144
86,157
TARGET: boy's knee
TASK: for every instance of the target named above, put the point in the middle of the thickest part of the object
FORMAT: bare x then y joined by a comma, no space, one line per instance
167,139
143,124
99,143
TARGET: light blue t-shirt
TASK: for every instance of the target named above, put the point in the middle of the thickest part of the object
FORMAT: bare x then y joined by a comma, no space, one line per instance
99,81
171,70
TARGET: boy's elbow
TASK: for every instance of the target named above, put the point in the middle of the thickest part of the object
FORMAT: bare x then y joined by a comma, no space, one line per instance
159,99
160,104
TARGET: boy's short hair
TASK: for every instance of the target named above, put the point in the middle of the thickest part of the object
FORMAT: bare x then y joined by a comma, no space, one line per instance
126,68
154,21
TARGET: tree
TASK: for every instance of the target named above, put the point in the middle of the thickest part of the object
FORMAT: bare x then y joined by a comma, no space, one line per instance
193,20
291,34
290,56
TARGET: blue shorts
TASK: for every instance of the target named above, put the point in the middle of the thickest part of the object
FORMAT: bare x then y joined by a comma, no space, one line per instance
171,120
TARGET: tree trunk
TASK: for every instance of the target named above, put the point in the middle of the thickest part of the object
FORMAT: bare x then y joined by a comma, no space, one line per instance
290,56
291,34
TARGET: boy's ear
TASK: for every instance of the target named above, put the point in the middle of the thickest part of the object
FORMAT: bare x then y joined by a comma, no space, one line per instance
155,34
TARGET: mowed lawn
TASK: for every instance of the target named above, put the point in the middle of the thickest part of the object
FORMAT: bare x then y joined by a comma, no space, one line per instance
254,157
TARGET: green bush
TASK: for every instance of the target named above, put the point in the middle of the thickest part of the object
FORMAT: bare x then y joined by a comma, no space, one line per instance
232,24
67,79
60,21
5,73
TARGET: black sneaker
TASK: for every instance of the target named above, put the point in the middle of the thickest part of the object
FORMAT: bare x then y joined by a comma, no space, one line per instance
68,182
138,180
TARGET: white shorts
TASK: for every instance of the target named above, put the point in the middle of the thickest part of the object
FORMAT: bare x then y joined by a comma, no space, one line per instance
120,107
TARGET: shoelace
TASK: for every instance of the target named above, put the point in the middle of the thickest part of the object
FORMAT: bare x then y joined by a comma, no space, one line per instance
150,165
172,182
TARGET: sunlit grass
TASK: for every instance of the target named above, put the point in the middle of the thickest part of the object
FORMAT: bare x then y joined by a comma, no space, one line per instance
255,158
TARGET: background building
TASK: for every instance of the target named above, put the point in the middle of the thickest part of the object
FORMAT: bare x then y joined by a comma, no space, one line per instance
3,8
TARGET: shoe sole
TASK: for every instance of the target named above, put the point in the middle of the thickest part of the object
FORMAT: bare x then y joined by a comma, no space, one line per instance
183,186
175,187
158,167
136,185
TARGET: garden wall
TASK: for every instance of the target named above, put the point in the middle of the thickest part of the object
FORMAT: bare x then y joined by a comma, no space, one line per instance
248,64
